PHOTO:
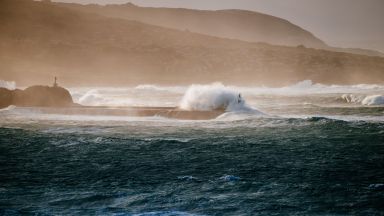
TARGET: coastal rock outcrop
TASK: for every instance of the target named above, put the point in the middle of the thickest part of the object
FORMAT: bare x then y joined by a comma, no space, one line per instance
5,97
36,96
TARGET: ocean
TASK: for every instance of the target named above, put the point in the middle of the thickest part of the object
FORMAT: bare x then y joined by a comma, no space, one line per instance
304,149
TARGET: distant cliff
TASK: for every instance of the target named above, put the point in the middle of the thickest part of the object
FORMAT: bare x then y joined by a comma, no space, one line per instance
40,40
36,96
243,25
234,24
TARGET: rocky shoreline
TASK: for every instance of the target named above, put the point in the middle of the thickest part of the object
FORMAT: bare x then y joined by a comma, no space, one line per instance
58,100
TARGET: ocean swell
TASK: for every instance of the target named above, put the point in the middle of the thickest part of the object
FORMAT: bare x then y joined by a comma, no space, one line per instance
373,100
364,100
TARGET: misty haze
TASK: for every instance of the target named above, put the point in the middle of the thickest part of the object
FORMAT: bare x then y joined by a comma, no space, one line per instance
170,107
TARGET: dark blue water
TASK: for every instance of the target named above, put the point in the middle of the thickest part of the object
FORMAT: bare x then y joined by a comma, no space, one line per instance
312,166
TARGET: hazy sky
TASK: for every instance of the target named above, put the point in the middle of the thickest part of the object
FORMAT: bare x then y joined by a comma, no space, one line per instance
344,23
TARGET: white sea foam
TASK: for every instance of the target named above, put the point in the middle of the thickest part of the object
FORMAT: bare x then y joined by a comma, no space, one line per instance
7,84
149,87
8,108
129,96
214,97
96,98
373,100
303,87
307,87
210,97
364,100
156,95
92,97
351,98
275,101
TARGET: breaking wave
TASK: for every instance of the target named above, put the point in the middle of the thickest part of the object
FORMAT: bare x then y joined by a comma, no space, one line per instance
364,100
213,97
8,108
218,96
306,87
8,85
96,98
373,100
351,98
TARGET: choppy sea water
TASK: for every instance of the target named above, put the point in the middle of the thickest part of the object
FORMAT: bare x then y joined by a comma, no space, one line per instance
315,151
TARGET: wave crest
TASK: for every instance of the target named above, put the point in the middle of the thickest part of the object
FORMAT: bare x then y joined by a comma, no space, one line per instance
94,97
364,100
11,85
213,97
373,100
351,98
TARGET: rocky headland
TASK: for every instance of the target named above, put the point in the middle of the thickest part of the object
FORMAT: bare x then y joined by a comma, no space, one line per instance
36,96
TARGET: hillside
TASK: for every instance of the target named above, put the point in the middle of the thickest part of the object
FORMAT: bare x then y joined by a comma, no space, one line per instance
41,40
234,24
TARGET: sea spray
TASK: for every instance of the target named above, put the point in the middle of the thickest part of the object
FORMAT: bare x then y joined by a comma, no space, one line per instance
208,97
7,84
351,98
155,95
373,100
214,97
96,97
370,100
